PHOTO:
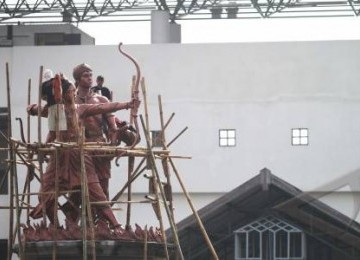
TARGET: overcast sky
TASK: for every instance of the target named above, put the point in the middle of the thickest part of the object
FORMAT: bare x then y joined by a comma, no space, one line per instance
239,30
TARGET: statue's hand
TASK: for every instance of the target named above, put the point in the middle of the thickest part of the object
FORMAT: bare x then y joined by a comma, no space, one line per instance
134,103
113,136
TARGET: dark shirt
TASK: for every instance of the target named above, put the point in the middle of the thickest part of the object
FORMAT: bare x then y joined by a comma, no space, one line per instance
104,91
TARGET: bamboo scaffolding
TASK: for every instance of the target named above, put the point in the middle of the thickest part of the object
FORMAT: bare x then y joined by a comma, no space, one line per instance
32,155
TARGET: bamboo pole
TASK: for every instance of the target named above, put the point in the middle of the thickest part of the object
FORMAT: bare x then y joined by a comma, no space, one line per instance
156,206
176,137
29,154
143,89
134,176
40,155
145,243
11,201
17,210
85,200
153,164
56,195
83,203
201,226
169,120
131,162
164,161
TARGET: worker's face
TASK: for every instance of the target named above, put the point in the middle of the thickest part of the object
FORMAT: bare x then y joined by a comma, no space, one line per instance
86,80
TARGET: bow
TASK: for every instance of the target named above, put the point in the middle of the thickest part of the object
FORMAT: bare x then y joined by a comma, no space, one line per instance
134,95
133,119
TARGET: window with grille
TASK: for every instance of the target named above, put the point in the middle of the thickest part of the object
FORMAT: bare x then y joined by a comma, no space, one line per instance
227,137
299,136
269,238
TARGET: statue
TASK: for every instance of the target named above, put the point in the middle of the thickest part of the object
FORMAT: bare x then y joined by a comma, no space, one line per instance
69,169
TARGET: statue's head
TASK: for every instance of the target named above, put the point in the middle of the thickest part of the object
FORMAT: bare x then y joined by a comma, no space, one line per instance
79,70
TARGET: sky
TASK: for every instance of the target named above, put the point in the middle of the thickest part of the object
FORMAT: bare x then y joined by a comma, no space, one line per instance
237,30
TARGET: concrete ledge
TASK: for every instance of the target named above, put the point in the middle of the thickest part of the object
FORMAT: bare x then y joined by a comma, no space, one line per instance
107,249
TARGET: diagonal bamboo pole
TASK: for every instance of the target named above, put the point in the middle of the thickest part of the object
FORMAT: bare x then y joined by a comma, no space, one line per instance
201,226
153,166
177,136
135,174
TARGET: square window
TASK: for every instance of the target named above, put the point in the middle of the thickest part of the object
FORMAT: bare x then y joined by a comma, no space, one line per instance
156,138
227,137
300,136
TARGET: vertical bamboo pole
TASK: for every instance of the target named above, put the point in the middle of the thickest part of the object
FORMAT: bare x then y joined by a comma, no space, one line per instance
157,205
201,226
85,200
131,162
143,88
85,186
153,164
56,195
28,140
11,192
40,155
17,206
145,243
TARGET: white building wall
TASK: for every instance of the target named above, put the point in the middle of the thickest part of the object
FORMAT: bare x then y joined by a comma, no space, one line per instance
262,90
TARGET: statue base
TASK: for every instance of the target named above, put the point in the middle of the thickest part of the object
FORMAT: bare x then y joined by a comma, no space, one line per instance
105,250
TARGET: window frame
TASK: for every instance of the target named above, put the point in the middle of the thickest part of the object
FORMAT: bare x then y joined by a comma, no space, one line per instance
224,136
268,228
302,135
156,138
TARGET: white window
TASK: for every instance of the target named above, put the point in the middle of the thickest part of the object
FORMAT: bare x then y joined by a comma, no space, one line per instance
227,137
299,136
269,238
